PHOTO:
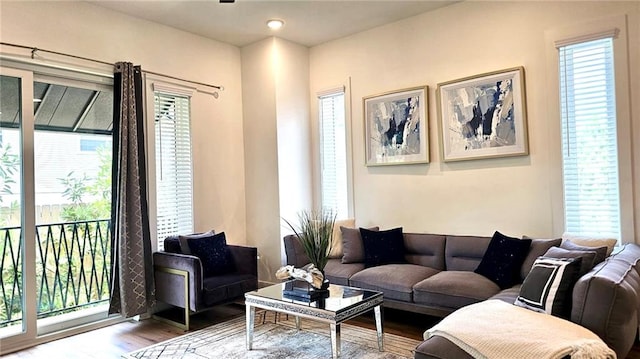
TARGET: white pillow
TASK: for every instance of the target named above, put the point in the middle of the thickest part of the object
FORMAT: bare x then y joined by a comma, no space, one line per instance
591,241
336,239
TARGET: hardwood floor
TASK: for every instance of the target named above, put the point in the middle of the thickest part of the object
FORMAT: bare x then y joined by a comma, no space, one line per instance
116,340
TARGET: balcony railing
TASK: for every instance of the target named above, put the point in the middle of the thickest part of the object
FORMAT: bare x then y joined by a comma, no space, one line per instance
72,268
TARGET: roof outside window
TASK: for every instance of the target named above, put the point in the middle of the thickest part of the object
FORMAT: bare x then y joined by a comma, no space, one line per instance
58,108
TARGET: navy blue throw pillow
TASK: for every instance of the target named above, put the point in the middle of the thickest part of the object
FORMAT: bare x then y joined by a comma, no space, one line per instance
213,253
502,261
382,247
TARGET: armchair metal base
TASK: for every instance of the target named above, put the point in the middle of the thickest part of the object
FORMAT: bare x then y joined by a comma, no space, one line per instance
187,313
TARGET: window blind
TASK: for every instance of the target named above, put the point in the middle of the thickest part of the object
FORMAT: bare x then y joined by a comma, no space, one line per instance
174,195
589,138
333,153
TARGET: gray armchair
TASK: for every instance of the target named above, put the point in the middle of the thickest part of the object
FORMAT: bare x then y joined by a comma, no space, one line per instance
180,280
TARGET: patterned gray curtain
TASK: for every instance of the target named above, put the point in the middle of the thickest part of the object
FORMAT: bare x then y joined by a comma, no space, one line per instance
132,287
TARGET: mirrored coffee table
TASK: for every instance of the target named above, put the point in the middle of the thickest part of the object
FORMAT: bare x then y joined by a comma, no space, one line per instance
342,303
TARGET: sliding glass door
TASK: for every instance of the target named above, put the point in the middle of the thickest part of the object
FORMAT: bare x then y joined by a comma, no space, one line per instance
55,182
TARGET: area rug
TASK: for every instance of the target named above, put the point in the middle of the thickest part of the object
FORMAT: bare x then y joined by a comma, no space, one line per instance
277,340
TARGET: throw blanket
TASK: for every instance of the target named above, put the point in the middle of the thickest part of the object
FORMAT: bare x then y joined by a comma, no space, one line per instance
495,329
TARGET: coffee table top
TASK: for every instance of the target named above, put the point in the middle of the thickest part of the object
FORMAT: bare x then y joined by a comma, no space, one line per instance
341,304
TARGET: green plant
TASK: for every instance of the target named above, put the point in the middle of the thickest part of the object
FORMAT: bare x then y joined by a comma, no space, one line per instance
9,163
314,231
77,188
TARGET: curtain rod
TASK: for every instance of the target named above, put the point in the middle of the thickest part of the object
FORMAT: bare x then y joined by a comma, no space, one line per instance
34,50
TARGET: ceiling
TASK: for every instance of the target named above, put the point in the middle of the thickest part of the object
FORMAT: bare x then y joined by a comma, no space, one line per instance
307,22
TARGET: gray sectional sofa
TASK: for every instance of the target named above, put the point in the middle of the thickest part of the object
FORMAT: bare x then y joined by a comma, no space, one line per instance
439,278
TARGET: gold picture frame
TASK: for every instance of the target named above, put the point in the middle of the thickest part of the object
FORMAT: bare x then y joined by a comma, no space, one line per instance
396,127
483,116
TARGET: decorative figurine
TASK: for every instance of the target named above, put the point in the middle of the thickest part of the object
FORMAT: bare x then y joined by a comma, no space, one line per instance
311,275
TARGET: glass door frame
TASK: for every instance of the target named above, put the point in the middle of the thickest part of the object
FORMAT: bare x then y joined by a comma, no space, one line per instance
27,212
29,73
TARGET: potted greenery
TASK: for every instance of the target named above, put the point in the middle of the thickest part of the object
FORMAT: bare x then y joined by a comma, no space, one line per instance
314,232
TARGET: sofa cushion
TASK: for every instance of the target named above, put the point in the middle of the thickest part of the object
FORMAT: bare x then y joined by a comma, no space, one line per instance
396,281
352,249
212,251
339,273
538,248
587,262
425,249
383,247
438,347
549,285
295,251
503,259
454,289
601,252
508,295
591,241
465,252
336,237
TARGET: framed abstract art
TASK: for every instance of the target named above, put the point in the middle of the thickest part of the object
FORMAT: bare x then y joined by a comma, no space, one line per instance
396,127
483,116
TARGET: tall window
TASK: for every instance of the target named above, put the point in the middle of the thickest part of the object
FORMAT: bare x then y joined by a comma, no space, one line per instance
589,138
333,153
173,166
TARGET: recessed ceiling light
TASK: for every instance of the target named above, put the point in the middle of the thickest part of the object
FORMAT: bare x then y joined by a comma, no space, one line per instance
275,24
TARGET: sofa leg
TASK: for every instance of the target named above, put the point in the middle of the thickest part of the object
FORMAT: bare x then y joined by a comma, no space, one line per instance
187,313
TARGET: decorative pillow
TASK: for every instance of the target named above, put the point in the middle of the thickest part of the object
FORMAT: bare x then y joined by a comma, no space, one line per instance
336,238
383,247
352,249
588,257
601,252
172,243
503,259
591,241
213,253
538,248
549,286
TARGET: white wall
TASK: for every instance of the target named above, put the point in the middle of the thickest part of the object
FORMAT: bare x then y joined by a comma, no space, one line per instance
275,81
261,154
83,29
294,148
513,195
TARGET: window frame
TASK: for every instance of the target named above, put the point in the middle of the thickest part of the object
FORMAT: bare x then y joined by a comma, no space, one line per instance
345,89
575,122
153,85
580,33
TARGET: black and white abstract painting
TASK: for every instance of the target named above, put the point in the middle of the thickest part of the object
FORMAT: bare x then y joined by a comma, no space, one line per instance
483,116
396,127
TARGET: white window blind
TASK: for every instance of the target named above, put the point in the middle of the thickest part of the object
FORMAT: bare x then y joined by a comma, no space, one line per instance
333,153
589,138
174,195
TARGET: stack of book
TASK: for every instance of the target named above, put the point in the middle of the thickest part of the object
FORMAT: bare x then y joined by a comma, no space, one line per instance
302,291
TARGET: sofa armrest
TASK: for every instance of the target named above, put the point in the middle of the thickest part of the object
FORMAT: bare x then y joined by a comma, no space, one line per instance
168,284
245,259
606,300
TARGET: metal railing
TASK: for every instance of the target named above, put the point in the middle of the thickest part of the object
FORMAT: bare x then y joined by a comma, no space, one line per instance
72,268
